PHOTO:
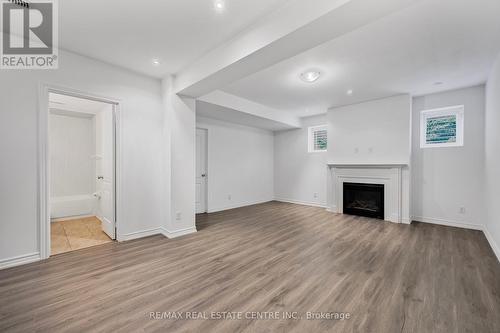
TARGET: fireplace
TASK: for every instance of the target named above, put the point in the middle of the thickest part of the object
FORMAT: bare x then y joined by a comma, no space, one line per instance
364,200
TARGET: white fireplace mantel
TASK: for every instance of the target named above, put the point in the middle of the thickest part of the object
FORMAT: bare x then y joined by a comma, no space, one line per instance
394,177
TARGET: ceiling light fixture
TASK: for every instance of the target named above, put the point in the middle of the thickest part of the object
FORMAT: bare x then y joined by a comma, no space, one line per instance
310,76
219,5
156,62
350,92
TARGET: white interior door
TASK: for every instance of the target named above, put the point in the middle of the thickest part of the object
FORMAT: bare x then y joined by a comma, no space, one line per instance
201,171
105,170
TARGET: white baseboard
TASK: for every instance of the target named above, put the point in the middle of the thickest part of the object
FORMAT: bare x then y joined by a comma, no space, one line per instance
405,220
303,203
238,205
448,223
493,244
29,258
178,233
68,218
19,260
140,234
156,231
332,209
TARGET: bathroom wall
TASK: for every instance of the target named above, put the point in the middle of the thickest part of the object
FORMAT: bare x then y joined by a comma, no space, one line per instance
71,149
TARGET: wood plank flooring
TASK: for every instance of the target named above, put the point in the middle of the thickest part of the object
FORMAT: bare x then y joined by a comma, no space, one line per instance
273,257
70,235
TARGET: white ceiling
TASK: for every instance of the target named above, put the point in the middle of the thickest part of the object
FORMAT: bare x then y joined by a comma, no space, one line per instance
449,41
131,33
209,110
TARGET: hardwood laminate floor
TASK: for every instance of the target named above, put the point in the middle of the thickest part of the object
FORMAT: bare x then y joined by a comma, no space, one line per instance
271,258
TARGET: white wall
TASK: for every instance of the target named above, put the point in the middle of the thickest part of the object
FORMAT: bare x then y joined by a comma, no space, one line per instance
240,164
142,141
71,140
371,132
446,179
179,128
492,158
299,176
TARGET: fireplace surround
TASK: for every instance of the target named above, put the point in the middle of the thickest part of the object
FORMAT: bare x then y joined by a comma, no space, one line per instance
394,177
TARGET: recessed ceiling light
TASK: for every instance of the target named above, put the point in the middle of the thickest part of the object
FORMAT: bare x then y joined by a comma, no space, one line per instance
350,92
156,62
219,5
310,76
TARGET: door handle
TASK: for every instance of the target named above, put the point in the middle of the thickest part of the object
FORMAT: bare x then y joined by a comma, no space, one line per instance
100,177
203,174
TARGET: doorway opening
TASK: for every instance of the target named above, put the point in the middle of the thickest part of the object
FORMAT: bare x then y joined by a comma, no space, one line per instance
81,172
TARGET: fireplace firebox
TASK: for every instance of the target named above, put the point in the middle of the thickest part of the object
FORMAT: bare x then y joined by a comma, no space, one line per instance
364,200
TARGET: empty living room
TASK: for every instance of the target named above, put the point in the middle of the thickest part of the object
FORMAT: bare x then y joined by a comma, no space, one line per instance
250,166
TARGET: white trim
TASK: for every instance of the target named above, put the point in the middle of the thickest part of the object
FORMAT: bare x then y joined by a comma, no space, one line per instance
19,260
391,177
238,205
156,231
303,203
493,244
448,223
139,234
405,220
207,178
75,217
43,157
178,233
457,111
367,165
43,172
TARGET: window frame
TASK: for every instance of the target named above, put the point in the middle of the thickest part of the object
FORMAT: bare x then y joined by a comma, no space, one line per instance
310,138
457,111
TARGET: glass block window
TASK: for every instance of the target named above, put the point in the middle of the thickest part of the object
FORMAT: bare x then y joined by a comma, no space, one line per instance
442,127
318,138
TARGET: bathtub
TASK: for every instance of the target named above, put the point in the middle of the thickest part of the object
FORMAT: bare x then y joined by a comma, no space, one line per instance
70,206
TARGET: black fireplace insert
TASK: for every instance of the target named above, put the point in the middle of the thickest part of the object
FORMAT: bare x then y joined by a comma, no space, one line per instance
364,200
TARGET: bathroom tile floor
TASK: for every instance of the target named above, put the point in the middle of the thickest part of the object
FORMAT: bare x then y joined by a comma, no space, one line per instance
76,234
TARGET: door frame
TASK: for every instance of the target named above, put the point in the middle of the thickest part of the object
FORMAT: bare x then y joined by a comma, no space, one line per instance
44,160
206,169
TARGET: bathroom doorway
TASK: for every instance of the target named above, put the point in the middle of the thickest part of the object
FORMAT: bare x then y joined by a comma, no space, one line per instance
81,176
